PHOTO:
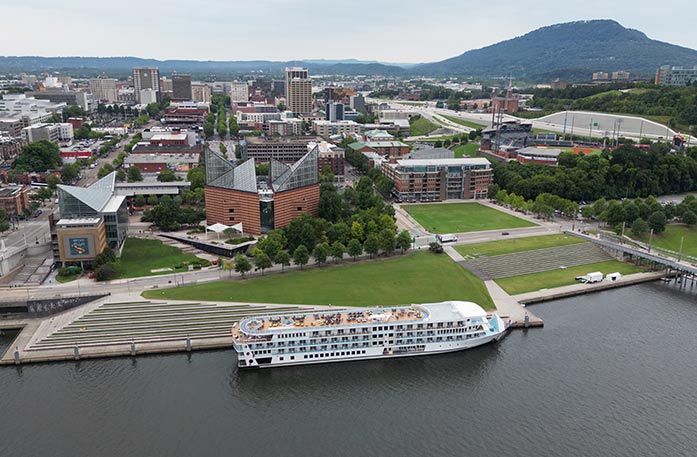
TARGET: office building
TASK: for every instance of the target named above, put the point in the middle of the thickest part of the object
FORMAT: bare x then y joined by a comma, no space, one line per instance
201,93
181,87
298,90
389,149
286,150
103,89
89,219
329,157
166,85
175,115
439,179
239,92
285,127
357,102
334,112
70,97
50,132
329,128
675,76
145,78
235,195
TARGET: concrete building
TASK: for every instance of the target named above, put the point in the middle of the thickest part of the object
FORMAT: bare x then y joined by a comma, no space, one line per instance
601,76
14,200
357,102
103,89
201,93
298,90
145,78
155,163
50,132
439,179
507,138
185,115
166,85
157,135
234,194
285,127
675,76
329,128
147,96
286,150
70,97
334,112
89,219
389,149
239,92
620,75
10,148
181,87
540,156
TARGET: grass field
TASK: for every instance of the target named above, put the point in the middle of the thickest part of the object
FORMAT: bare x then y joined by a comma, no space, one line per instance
670,239
140,257
463,217
421,277
421,126
469,149
470,124
492,248
558,278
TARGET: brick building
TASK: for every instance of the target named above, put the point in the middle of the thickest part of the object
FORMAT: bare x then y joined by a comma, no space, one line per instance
15,199
234,194
391,149
439,179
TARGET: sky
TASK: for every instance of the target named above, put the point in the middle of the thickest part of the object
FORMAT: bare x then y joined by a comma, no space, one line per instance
382,30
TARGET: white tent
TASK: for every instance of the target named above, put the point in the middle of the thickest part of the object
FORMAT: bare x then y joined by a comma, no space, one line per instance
220,228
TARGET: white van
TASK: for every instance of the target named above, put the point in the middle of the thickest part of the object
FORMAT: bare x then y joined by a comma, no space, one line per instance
447,238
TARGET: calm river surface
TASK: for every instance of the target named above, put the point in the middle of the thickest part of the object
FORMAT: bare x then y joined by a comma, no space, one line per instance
611,374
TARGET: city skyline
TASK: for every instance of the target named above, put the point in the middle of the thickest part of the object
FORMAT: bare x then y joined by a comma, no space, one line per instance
367,31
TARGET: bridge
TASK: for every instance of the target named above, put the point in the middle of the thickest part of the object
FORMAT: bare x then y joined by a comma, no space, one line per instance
684,268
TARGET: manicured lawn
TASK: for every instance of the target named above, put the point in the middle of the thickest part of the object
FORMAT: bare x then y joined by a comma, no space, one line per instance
462,217
469,149
421,277
558,278
470,124
421,126
140,257
492,248
670,239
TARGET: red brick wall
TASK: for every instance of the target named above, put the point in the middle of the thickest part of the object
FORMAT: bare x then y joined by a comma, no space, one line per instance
244,206
293,203
151,167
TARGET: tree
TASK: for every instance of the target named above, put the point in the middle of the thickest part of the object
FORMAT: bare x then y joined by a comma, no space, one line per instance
387,241
354,248
106,256
301,256
404,240
139,201
262,261
242,264
166,216
320,253
4,221
337,250
229,266
152,200
69,172
166,176
39,156
657,222
105,170
121,175
53,182
372,245
435,247
640,227
197,177
222,148
105,272
282,258
689,218
134,174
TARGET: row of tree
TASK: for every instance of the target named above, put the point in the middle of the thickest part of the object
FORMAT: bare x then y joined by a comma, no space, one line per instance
626,172
544,205
628,212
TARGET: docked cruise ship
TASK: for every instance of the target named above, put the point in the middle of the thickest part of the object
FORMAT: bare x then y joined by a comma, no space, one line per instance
363,333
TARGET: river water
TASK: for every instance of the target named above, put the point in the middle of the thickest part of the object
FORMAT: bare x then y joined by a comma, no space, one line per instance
611,374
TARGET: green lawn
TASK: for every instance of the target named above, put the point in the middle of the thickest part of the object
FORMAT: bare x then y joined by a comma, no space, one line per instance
470,124
421,126
140,257
492,248
670,239
421,277
558,278
462,217
469,149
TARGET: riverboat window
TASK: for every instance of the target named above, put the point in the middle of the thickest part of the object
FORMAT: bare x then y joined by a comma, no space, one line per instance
430,325
292,357
419,326
281,358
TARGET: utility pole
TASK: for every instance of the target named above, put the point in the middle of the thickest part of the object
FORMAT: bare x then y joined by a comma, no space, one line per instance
682,240
650,240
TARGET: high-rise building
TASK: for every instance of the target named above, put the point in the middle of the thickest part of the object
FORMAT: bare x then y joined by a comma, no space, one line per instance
103,89
298,90
239,92
146,78
357,102
181,87
334,112
201,93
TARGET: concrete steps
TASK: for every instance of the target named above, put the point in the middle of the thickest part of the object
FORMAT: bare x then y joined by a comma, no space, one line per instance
520,263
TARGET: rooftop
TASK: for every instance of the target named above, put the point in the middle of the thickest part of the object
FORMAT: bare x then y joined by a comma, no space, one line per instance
80,221
443,162
540,152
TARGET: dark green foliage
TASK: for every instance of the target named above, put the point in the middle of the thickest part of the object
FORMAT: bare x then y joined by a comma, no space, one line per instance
105,272
39,156
134,174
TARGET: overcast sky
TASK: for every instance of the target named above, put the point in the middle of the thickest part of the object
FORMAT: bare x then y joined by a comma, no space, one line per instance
384,30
